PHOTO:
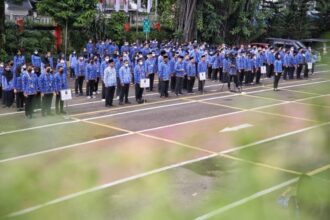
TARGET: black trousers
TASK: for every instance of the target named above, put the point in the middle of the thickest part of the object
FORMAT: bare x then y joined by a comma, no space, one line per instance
299,69
0,92
221,76
118,90
46,103
72,72
124,93
37,100
109,94
241,76
233,78
306,71
103,90
178,85
185,82
152,79
291,72
277,79
258,75
164,88
209,72
90,87
215,74
173,83
79,84
8,98
138,92
29,105
59,104
191,83
285,72
19,100
201,84
96,84
248,77
270,70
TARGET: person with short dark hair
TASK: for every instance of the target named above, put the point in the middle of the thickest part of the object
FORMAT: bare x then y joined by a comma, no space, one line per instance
60,84
110,82
18,87
47,88
125,80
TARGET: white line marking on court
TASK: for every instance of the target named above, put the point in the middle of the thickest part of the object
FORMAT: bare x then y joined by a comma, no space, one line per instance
157,107
247,199
257,195
155,171
235,128
153,94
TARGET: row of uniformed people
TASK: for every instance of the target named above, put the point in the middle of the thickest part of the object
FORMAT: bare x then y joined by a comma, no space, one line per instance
32,90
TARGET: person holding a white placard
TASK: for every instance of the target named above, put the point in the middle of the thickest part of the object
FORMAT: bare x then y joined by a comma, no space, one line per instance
202,69
110,82
139,73
60,84
308,63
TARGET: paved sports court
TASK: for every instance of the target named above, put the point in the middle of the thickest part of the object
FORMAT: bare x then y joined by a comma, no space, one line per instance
216,155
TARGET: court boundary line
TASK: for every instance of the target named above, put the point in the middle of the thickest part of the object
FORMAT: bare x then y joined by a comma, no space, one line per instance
213,85
141,175
259,194
144,109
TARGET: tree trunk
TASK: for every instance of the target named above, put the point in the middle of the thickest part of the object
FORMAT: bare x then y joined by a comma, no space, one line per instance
2,23
186,18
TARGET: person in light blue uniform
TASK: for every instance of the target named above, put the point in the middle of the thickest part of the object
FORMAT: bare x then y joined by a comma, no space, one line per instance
90,77
240,68
60,84
1,73
8,86
90,47
278,69
150,69
164,77
125,81
47,88
73,60
179,74
300,59
80,73
104,64
202,68
110,82
19,59
36,59
29,86
270,58
139,73
233,72
18,87
308,59
191,73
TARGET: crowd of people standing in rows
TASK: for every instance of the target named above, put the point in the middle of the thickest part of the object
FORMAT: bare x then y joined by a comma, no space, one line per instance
109,70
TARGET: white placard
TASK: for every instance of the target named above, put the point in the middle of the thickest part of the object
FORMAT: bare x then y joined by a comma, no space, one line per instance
66,94
263,70
145,83
202,76
310,66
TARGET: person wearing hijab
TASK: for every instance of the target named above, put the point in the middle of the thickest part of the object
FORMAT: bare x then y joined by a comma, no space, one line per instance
8,87
30,89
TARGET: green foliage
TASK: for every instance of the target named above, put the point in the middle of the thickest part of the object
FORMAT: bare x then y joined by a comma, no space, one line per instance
72,11
28,40
323,7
